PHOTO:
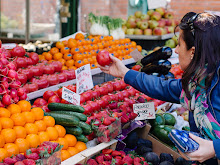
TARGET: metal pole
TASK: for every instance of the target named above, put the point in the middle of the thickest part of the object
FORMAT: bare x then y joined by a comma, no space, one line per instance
27,29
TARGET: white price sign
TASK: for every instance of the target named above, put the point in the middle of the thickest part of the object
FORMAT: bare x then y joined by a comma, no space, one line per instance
144,111
70,96
153,4
83,79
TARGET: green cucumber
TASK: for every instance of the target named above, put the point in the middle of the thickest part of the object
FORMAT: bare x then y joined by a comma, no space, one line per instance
82,138
65,107
63,119
85,127
159,120
74,130
169,119
81,116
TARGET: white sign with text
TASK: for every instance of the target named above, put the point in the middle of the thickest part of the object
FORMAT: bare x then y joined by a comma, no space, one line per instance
83,79
153,4
70,96
144,110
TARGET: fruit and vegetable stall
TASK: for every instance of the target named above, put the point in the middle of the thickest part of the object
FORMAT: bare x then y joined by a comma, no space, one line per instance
51,112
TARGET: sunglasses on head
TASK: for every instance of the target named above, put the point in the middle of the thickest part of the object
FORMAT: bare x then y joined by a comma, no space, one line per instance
190,22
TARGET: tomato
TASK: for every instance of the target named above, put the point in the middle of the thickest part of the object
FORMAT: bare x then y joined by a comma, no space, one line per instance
123,84
109,87
18,51
72,87
116,85
95,94
107,98
62,77
95,106
21,91
26,89
130,102
45,108
23,97
22,78
115,97
102,103
36,71
103,91
136,67
53,80
131,91
112,97
82,99
96,87
57,66
21,62
48,94
42,83
40,102
87,95
34,56
32,87
125,93
59,92
28,73
29,61
64,101
70,74
88,109
48,69
120,96
103,58
54,99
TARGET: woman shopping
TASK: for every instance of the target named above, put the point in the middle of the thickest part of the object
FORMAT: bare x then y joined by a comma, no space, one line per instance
198,90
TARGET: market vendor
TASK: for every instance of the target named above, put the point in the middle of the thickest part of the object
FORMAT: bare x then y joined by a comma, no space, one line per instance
199,88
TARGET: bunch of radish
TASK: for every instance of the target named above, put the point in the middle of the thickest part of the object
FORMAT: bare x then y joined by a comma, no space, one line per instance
10,87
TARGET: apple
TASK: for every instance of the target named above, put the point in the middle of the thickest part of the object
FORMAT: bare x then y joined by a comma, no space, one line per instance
138,24
170,22
138,14
169,15
138,32
153,24
137,20
131,23
130,31
161,23
169,29
163,31
161,10
123,22
144,25
148,32
124,28
157,31
131,17
145,17
150,12
175,38
155,16
170,43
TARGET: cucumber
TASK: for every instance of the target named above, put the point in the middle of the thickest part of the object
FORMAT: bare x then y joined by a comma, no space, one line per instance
159,120
85,127
74,130
81,116
65,107
82,138
63,119
169,119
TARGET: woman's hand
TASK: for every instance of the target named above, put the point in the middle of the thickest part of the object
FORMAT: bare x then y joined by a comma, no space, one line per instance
116,68
205,151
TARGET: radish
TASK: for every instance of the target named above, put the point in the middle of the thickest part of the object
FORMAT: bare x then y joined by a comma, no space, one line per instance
4,61
1,66
6,99
4,71
1,105
23,97
12,66
15,84
5,85
13,93
16,99
21,91
5,79
12,74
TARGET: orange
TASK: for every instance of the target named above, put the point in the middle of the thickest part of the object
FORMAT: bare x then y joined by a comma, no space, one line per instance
3,154
133,44
14,108
70,63
139,48
72,67
0,126
61,130
59,44
4,112
74,50
41,57
25,105
90,60
41,125
38,113
65,155
43,136
62,61
79,36
54,50
64,50
67,56
65,42
19,119
81,49
57,56
34,140
73,151
52,132
80,146
77,56
64,142
6,122
2,141
79,63
12,149
79,42
64,67
29,117
49,121
20,132
93,66
31,128
71,139
72,43
85,61
48,56
22,144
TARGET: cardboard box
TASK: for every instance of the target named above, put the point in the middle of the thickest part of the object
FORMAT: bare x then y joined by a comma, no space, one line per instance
158,146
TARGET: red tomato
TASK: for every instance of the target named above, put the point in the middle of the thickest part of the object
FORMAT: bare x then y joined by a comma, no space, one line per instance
82,99
131,91
72,87
102,103
59,92
48,94
123,84
29,61
54,99
21,62
88,109
26,88
21,91
103,91
125,93
34,57
48,69
32,87
109,87
70,74
22,78
42,83
95,106
87,95
136,67
95,94
28,73
107,98
53,80
103,58
120,96
18,51
40,102
36,71
57,66
116,86
62,77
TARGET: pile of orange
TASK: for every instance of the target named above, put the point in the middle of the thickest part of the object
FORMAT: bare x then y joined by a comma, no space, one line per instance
23,127
80,51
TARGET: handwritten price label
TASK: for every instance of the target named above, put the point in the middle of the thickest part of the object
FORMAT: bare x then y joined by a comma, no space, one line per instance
83,79
70,96
144,111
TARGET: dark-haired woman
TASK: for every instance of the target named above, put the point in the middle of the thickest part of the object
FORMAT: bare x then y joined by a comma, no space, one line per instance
199,88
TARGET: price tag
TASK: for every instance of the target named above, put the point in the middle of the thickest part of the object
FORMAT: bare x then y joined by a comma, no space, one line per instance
70,96
136,55
9,46
83,79
144,111
152,4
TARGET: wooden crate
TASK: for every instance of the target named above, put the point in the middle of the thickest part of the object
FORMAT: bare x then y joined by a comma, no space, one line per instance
76,159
